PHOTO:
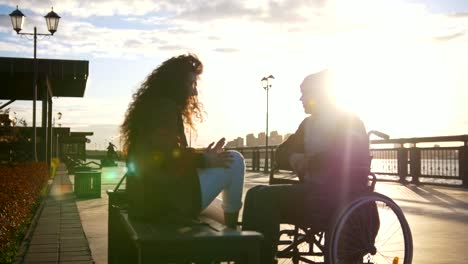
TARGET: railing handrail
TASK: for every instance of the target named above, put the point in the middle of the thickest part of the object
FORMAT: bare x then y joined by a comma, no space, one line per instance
415,140
445,162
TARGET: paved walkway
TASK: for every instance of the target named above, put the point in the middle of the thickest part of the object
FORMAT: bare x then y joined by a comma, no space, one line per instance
58,236
438,217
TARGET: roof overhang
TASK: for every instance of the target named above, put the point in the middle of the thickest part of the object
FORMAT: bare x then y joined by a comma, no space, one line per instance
61,78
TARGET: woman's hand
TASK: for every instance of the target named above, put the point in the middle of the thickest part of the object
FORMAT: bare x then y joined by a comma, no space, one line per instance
218,147
215,157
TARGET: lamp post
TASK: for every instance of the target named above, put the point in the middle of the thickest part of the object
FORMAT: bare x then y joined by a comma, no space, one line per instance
17,20
59,116
266,84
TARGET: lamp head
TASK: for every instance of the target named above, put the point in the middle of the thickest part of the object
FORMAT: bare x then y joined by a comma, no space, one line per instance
17,20
264,82
52,20
270,80
267,82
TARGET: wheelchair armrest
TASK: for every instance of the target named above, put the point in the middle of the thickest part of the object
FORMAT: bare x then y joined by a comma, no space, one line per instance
275,180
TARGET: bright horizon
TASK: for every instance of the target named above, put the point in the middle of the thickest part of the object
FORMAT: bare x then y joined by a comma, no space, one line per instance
400,65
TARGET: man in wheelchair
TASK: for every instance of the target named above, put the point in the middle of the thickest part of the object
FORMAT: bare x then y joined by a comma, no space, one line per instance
329,152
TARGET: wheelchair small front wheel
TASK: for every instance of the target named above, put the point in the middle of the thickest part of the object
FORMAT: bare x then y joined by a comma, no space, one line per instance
373,229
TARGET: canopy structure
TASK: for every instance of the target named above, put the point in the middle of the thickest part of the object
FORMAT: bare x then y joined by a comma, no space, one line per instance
59,78
62,78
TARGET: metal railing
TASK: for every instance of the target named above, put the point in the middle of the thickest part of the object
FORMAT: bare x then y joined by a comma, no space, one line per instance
400,159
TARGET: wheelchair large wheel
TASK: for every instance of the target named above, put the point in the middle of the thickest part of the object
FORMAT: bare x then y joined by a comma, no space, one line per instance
373,229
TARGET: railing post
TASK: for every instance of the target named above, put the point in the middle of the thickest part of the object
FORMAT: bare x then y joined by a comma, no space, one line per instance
463,164
272,158
254,160
257,160
415,164
402,163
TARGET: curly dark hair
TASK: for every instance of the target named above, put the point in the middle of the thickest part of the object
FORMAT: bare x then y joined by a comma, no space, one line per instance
173,79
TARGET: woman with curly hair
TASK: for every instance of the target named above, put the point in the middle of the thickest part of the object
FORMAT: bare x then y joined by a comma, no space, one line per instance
168,181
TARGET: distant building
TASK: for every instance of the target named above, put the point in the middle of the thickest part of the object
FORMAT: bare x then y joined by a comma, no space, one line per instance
286,136
261,139
275,138
251,140
236,143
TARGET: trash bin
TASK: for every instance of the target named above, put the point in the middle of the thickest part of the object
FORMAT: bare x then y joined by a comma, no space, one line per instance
88,184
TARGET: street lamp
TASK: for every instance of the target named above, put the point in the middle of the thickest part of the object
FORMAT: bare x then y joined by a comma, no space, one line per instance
17,20
59,116
266,84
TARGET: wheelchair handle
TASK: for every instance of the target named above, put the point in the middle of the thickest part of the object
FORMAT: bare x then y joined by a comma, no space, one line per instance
379,134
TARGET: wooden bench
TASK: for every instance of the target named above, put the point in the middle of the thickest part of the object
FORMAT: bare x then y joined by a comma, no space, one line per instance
202,240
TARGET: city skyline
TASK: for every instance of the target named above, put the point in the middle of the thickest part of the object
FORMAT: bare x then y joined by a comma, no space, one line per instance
274,138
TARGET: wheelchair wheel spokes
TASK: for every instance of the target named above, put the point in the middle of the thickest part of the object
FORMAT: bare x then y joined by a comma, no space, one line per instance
301,245
372,230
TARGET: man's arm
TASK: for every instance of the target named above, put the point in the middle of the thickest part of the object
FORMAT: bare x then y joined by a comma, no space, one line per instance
293,145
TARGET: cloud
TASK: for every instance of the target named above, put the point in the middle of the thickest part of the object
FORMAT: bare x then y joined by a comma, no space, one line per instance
171,47
5,21
132,43
226,50
451,36
451,27
87,8
203,10
292,11
221,9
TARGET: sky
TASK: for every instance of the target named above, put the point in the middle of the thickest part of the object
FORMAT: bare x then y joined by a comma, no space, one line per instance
401,65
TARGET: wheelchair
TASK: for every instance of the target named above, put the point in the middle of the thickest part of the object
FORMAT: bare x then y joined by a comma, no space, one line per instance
369,228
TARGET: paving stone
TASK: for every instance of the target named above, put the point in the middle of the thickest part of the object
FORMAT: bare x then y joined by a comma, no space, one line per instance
73,244
75,258
50,249
46,256
49,235
71,231
77,262
44,241
73,237
29,261
74,249
77,225
75,253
